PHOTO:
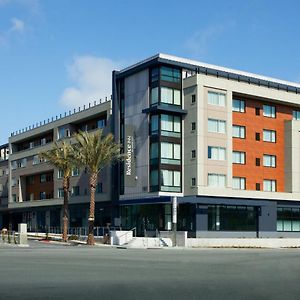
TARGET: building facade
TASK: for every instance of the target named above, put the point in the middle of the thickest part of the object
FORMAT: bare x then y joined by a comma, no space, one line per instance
225,142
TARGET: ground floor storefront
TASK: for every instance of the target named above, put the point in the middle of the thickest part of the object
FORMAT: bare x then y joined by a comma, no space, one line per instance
214,217
42,219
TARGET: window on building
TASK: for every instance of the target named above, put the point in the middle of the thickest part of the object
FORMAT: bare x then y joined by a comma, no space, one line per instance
60,174
42,195
30,180
60,193
257,161
269,160
170,96
154,124
193,154
269,111
257,136
154,180
296,115
193,125
101,123
238,105
170,153
13,182
269,185
238,157
288,219
75,191
257,186
170,125
193,181
216,180
99,188
216,153
14,165
22,163
257,111
269,136
215,98
193,98
238,131
170,74
75,172
218,126
154,74
170,181
154,95
154,153
239,183
14,197
63,132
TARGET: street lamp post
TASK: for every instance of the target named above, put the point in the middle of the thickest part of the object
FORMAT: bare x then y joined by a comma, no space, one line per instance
174,219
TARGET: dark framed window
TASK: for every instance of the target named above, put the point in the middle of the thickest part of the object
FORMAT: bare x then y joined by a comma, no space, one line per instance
257,161
193,98
257,111
170,74
257,186
257,136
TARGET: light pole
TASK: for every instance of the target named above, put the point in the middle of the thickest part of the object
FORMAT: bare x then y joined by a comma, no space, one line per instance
174,219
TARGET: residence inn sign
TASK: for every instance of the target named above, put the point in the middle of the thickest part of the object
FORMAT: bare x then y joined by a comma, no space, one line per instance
130,172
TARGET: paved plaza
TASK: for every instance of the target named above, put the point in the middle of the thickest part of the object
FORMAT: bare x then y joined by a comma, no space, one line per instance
44,271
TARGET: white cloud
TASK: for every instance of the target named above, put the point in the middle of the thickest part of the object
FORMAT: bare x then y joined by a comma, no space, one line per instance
92,77
17,25
199,43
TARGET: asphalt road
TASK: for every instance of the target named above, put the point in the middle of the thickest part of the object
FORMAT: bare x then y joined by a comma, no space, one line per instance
63,272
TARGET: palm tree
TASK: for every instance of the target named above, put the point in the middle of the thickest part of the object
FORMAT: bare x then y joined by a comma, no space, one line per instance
61,156
95,151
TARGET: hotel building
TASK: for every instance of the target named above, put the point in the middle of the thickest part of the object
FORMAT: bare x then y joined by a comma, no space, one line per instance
225,142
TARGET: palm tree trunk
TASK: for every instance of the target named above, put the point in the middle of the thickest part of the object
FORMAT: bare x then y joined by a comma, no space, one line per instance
93,183
66,185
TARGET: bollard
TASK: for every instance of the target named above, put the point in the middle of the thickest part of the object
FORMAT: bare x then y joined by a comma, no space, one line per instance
22,239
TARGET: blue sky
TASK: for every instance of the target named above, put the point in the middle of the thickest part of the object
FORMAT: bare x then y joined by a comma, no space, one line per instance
58,54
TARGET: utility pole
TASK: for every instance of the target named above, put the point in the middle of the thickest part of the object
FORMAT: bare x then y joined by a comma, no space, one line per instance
174,219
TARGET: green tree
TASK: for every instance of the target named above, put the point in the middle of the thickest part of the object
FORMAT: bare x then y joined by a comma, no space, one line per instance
95,151
62,157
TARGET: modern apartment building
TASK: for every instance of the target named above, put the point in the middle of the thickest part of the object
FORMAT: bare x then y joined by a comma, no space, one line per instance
32,189
225,142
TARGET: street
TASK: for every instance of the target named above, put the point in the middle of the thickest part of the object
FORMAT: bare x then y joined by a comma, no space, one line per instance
45,271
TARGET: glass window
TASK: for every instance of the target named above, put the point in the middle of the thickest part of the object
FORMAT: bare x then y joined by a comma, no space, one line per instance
14,164
75,172
288,219
216,98
269,111
154,95
99,188
170,153
238,131
154,74
154,150
239,183
75,191
154,178
43,178
238,157
60,193
269,160
170,96
216,180
60,174
296,115
269,185
269,136
216,153
101,123
154,124
170,125
170,180
238,105
170,74
36,160
218,126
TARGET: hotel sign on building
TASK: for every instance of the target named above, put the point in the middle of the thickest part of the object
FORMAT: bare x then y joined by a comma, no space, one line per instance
130,171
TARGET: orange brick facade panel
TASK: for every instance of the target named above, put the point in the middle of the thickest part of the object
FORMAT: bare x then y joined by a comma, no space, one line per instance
256,149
